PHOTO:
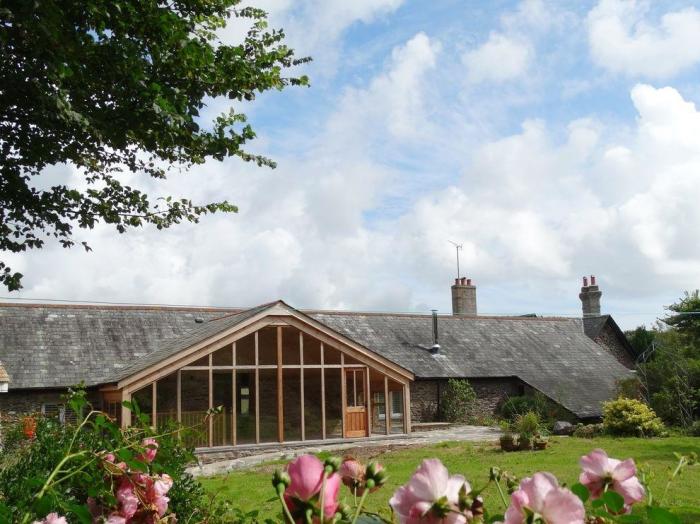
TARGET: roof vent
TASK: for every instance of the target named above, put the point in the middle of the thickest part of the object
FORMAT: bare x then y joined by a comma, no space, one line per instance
435,348
199,320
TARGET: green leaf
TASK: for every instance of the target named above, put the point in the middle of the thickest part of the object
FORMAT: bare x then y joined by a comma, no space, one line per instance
613,501
581,492
662,516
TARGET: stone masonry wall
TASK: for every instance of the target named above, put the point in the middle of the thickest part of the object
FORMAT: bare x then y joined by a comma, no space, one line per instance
426,394
609,340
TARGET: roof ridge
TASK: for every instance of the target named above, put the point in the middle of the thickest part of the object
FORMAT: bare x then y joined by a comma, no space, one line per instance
141,307
229,311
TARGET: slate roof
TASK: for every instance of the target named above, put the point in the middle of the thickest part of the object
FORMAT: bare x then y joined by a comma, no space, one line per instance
45,346
56,346
553,355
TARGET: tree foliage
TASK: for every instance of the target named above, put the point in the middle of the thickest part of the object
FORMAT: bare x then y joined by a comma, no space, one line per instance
684,317
109,86
670,369
458,401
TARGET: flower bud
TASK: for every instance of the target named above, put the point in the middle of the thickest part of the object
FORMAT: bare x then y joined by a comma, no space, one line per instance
331,464
280,480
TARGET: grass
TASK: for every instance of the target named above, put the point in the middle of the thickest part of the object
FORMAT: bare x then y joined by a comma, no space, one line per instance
251,489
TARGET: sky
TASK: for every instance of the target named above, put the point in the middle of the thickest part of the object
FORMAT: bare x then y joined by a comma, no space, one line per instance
552,139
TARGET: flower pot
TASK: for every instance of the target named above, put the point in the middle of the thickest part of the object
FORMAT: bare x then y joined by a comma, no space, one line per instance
524,443
507,443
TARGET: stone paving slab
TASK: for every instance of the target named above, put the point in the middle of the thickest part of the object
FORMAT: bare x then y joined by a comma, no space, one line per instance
452,434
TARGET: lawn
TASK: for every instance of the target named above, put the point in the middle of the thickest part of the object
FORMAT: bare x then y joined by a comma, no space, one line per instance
251,489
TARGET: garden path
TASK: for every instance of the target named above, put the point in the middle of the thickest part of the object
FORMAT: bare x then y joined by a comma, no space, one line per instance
218,464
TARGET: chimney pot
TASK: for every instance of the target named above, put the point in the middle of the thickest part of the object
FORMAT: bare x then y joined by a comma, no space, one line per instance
469,281
590,298
463,281
456,281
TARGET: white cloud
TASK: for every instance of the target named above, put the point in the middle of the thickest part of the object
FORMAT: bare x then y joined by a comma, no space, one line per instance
622,40
499,59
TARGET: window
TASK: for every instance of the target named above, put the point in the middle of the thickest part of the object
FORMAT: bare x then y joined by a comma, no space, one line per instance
396,404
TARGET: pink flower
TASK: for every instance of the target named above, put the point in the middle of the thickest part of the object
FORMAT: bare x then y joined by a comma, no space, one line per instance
353,474
156,491
52,518
431,495
127,499
115,518
306,478
109,457
151,446
542,496
600,471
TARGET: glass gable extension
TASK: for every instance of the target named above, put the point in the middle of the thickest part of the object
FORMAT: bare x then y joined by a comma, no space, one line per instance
276,384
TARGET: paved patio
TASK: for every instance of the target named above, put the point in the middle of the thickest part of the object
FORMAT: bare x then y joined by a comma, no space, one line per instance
453,433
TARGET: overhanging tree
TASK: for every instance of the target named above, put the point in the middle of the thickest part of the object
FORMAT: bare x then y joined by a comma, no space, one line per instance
112,86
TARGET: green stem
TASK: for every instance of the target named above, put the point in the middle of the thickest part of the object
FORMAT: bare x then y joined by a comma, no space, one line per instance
287,513
676,471
359,506
500,492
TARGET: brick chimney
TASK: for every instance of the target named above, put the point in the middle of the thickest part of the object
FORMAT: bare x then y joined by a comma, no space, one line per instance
464,297
590,298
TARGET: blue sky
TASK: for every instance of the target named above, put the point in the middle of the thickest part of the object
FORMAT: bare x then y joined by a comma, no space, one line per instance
554,139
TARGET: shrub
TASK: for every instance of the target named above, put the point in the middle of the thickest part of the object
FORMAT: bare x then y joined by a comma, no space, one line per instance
547,410
588,430
527,425
630,417
694,429
63,468
458,401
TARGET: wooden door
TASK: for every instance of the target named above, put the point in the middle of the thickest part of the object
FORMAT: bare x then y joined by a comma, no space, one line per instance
355,402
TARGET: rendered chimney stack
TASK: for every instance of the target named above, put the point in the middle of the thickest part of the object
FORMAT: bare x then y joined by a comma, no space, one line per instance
464,298
590,298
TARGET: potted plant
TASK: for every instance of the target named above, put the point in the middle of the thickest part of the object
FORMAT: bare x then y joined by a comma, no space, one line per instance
540,442
527,426
507,439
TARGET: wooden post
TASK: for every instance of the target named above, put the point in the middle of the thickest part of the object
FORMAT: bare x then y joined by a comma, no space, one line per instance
234,404
368,402
280,392
211,403
407,408
387,406
178,396
343,392
126,412
257,393
154,401
323,396
301,383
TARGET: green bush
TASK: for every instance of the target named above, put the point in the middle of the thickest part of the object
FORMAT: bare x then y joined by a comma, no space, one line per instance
527,425
458,403
547,410
694,429
60,466
588,430
630,417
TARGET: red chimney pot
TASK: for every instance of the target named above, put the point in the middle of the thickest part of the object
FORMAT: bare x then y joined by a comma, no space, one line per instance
592,280
469,281
585,281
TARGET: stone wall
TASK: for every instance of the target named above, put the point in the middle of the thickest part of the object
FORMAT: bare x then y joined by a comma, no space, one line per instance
426,395
608,339
19,402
